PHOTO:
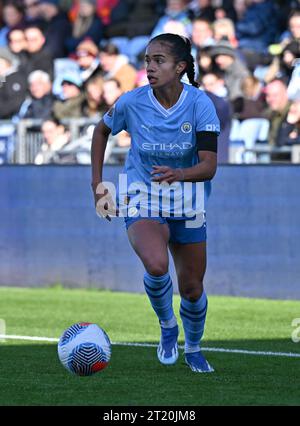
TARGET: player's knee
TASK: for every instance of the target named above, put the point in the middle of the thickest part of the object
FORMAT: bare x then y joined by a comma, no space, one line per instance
192,291
157,267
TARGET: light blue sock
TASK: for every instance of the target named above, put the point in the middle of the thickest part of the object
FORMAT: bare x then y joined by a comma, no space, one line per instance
160,293
193,315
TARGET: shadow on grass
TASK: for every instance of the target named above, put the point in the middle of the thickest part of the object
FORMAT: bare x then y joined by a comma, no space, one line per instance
33,375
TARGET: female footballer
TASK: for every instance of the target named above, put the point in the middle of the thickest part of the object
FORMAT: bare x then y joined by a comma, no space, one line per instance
174,129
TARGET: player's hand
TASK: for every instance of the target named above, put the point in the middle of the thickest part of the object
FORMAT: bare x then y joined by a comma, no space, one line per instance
104,203
166,174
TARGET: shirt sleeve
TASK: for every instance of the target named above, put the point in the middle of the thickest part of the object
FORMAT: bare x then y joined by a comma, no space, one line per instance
206,115
115,117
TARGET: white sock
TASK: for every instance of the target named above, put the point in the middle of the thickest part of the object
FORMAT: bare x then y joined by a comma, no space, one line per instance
169,323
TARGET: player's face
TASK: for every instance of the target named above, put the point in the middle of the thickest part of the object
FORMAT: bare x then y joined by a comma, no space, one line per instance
160,66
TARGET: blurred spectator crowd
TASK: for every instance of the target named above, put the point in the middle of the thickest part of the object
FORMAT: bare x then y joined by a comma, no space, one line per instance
63,60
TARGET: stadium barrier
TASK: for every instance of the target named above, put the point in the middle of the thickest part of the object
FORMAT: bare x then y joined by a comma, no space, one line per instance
49,232
261,153
20,141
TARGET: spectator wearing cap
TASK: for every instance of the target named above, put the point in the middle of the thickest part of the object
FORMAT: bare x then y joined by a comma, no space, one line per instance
87,57
13,84
39,103
58,28
114,65
39,56
13,16
72,104
86,25
233,69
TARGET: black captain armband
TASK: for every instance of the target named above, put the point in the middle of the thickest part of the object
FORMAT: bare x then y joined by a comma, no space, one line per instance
207,141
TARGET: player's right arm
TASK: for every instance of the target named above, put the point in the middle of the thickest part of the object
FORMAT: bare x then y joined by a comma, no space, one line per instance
99,142
113,122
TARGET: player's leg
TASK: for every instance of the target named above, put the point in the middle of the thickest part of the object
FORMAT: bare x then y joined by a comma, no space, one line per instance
190,264
149,238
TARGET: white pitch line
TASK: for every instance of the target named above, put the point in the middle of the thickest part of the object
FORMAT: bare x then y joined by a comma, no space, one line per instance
30,338
223,350
152,345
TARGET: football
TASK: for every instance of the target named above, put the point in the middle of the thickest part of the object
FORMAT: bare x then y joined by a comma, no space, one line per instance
84,349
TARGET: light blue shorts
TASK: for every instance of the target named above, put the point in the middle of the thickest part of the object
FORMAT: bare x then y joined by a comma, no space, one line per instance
179,233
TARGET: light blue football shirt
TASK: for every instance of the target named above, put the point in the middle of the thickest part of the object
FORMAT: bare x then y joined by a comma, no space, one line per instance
161,136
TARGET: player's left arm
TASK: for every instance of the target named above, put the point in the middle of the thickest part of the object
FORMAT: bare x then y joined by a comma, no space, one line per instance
207,147
204,170
207,127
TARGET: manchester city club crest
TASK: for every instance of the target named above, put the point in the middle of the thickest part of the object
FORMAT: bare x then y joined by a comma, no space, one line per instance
186,127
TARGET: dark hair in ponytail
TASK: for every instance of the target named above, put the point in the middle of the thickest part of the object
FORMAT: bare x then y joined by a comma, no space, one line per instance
181,51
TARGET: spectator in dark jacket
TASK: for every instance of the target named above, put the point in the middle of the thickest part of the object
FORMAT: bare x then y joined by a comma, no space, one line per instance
258,27
279,105
39,103
38,56
204,9
32,14
253,102
289,133
58,27
13,84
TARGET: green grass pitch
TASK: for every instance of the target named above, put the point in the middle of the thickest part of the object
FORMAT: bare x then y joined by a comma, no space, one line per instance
31,374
